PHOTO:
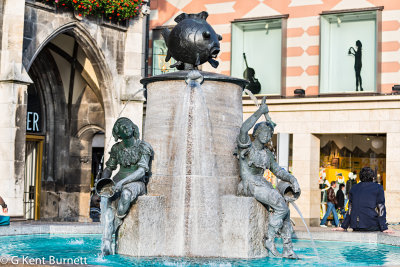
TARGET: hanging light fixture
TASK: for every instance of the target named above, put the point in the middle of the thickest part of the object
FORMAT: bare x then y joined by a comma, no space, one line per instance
339,21
377,143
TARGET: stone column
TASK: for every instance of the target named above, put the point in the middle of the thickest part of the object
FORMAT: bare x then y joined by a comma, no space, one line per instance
13,98
306,150
13,86
131,102
283,150
392,192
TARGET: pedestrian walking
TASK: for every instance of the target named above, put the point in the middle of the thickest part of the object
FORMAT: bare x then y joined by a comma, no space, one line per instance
331,206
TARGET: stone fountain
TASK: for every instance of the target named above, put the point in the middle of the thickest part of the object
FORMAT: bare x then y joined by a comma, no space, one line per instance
192,121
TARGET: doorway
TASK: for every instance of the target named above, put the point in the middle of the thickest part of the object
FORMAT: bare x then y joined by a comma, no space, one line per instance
32,177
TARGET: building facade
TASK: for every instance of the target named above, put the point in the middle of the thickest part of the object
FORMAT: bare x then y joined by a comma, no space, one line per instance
342,56
64,79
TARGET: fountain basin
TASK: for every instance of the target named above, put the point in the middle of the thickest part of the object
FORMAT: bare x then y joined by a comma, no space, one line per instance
87,246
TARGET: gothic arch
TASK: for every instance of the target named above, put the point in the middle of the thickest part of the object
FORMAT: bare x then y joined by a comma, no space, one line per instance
91,49
67,161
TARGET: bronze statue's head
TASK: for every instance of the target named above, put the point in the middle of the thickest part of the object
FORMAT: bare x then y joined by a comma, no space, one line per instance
263,131
124,128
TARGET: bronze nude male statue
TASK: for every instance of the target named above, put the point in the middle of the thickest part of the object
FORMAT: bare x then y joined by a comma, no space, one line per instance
254,159
133,156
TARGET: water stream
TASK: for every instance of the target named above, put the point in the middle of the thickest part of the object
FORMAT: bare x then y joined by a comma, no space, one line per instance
308,230
194,203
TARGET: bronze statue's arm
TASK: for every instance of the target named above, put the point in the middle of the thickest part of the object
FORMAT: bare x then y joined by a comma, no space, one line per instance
284,175
106,173
133,177
111,163
249,123
143,167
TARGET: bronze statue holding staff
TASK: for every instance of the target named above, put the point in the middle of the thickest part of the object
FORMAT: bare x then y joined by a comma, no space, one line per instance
254,159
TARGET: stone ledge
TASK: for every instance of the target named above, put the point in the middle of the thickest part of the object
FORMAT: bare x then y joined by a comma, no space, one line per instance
25,228
143,230
359,237
244,225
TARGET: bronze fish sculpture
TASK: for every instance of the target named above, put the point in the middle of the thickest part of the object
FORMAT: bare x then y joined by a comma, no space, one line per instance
192,41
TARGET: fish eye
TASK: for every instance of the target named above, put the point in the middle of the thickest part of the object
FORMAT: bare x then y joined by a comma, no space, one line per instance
219,37
206,34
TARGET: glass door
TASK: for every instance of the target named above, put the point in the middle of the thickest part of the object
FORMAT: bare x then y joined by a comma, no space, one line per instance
33,164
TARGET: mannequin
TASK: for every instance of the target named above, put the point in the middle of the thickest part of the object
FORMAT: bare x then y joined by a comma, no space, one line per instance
352,181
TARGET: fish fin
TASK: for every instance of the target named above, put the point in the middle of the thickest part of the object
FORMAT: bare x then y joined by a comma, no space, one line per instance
202,15
168,57
197,60
165,34
176,64
181,17
213,63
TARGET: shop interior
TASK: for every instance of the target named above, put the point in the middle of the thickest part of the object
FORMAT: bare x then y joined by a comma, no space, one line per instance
342,156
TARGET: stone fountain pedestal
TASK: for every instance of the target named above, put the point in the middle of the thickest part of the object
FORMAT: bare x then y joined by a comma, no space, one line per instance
191,208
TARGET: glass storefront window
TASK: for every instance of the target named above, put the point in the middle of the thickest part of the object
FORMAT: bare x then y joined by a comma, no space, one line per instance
339,58
261,43
342,156
344,153
159,54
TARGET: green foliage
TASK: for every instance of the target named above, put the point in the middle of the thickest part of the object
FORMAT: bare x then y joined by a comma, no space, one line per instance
115,10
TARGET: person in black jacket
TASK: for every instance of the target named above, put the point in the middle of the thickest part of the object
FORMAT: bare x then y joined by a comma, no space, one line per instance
367,210
340,200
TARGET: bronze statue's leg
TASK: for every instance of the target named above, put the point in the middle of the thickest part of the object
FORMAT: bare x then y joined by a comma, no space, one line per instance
286,234
128,195
124,203
108,226
272,198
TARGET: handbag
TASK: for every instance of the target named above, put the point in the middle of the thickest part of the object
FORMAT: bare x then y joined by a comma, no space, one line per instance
4,220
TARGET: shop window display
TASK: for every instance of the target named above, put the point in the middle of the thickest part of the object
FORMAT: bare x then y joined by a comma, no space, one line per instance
257,53
159,55
342,156
348,52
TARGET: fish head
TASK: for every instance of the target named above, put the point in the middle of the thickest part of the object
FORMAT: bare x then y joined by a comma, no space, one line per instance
207,40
